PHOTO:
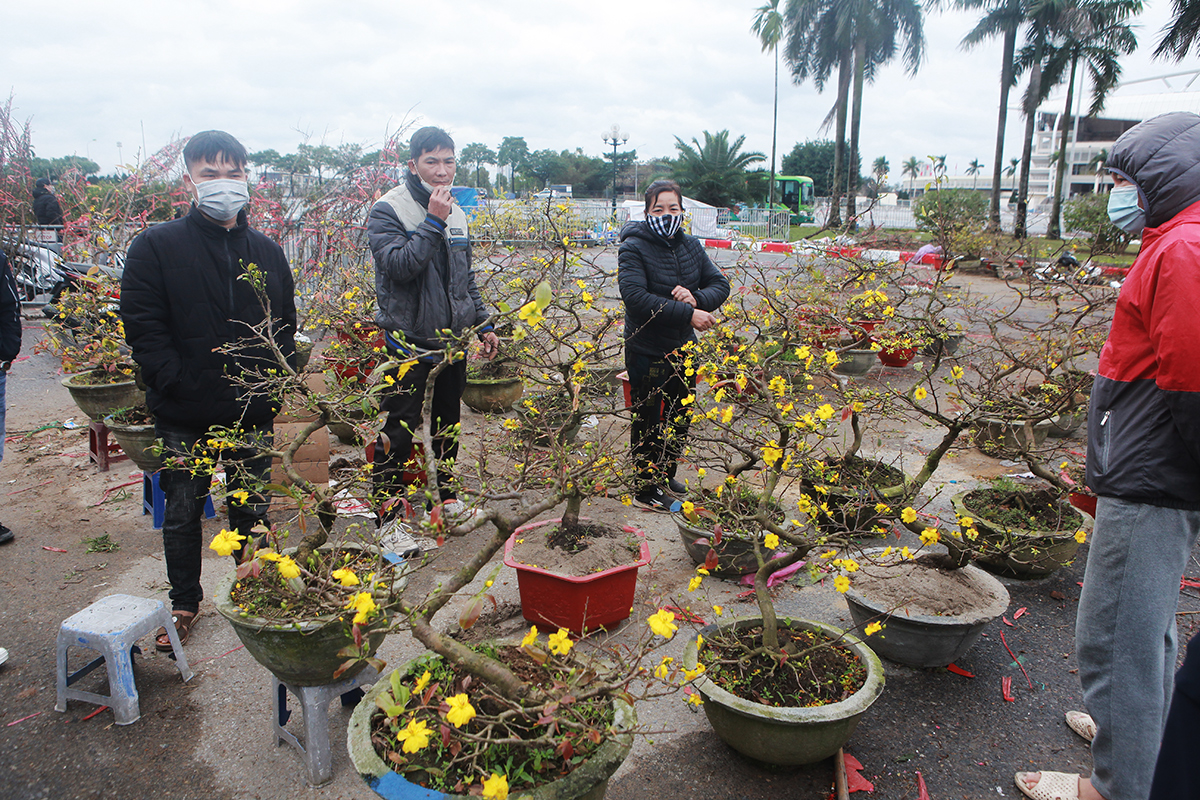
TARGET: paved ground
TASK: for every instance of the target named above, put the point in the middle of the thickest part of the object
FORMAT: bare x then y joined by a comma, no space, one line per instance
211,738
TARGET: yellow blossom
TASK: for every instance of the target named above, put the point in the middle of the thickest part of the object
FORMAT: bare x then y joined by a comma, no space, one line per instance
560,643
460,712
771,541
929,536
288,568
873,628
226,542
905,553
771,453
1080,535
956,373
530,314
825,412
364,604
663,668
663,623
422,682
850,565
414,736
919,393
530,637
346,576
695,699
511,424
727,415
240,496
495,787
687,401
694,583
267,555
777,385
718,610
626,500
689,508
882,508
831,358
692,674
841,583
909,515
700,473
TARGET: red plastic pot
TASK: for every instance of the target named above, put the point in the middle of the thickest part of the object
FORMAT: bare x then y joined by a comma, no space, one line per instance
1084,502
578,604
898,357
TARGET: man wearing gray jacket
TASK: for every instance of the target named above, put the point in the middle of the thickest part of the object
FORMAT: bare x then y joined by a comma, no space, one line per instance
423,285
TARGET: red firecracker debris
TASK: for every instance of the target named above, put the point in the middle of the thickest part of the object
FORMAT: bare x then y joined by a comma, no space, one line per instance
854,781
1017,614
1006,689
957,670
922,792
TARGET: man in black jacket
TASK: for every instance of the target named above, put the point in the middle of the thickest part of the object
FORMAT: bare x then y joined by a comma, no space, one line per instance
423,285
46,207
10,346
183,298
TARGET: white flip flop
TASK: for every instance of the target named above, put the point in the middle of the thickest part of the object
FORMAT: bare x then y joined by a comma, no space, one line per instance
1051,786
1082,723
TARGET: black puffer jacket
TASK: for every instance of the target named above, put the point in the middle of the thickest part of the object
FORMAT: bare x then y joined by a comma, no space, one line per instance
1162,156
181,297
46,207
648,268
10,313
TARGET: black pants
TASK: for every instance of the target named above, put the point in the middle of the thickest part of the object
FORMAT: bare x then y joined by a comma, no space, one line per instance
403,406
660,420
185,494
1177,771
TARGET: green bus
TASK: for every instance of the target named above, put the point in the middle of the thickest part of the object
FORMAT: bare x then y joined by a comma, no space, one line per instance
795,193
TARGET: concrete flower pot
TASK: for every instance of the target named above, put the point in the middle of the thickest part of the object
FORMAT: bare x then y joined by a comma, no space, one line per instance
1018,552
138,443
786,736
855,363
1010,434
588,781
491,396
98,400
735,554
925,640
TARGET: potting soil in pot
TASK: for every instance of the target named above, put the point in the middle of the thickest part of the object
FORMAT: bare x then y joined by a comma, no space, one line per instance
1039,510
447,762
584,550
818,671
924,586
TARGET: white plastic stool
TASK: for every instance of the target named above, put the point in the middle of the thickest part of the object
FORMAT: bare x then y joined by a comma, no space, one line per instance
112,626
314,706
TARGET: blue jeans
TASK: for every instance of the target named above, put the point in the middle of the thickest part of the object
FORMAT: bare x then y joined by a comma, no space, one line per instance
185,493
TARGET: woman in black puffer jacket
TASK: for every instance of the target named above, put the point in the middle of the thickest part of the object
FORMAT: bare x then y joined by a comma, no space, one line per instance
671,289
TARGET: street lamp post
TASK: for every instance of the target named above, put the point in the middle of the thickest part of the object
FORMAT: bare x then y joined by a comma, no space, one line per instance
615,137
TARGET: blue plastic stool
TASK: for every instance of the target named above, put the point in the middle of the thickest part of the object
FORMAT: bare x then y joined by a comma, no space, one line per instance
155,502
314,706
111,626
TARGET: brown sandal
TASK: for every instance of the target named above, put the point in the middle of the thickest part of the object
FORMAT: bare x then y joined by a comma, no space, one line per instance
184,620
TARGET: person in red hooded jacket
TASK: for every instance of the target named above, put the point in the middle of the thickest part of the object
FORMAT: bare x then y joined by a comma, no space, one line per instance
1143,462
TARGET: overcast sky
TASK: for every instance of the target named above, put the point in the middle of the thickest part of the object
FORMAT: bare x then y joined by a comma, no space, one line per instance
275,73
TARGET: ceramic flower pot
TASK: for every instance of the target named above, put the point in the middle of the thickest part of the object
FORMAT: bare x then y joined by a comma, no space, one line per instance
1017,552
1084,502
588,781
1005,434
897,357
492,395
600,600
138,443
301,652
919,639
786,736
98,400
855,363
735,554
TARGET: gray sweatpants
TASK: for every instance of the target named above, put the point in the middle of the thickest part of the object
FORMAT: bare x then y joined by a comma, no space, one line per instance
1125,637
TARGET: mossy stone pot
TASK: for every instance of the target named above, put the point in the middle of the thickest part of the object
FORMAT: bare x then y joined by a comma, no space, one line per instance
98,400
786,736
735,554
138,443
588,781
303,652
1011,434
855,363
491,396
1019,552
926,640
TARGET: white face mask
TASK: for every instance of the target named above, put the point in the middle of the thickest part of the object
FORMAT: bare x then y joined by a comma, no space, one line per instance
429,187
222,198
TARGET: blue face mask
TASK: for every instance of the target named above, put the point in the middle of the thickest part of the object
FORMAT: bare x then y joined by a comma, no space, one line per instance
1123,209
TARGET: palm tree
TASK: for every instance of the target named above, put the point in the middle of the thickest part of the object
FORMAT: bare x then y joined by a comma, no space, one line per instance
973,170
1011,170
1180,36
856,36
714,172
768,26
1003,18
1096,33
939,165
911,168
880,169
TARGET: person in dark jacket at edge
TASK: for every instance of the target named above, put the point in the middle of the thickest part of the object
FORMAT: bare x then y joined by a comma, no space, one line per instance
45,206
670,288
10,347
1143,462
183,298
424,284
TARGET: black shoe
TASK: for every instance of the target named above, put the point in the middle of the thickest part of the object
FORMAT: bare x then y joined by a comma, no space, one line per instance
675,487
655,499
6,535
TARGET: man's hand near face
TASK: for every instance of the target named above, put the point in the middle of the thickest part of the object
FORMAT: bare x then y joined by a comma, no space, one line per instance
440,202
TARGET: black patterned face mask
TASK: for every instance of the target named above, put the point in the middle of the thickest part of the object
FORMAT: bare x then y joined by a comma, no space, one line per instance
665,226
